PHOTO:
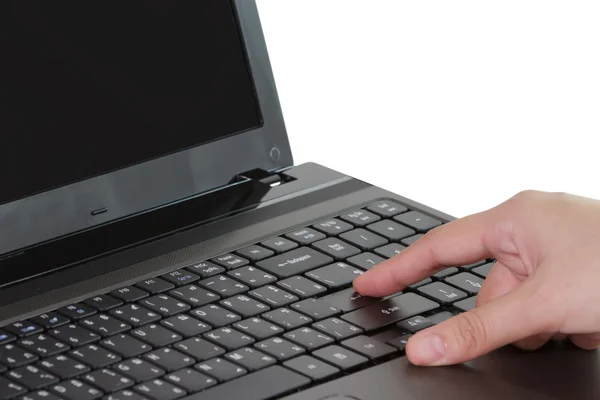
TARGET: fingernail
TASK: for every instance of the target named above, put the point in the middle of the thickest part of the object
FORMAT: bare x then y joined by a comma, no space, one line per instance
595,336
428,350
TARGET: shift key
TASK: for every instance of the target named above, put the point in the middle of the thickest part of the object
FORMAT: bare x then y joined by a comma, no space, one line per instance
389,311
294,262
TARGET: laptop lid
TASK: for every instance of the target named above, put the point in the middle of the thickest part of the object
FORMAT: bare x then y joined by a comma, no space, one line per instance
112,109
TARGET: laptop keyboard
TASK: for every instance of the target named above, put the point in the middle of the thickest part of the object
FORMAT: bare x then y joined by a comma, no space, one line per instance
281,312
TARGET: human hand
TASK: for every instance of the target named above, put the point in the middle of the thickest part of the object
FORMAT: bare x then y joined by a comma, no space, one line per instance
544,285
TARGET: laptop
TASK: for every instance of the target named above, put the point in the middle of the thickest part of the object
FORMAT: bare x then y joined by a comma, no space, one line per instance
158,242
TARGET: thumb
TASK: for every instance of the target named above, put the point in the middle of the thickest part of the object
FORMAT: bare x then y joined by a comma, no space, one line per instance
502,321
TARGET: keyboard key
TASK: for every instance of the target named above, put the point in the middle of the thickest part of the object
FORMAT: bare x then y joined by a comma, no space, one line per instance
360,217
23,328
13,356
125,345
335,275
199,348
135,315
287,318
165,305
348,300
230,261
390,250
223,285
76,311
6,337
194,295
466,304
414,324
107,380
440,317
400,342
228,338
337,328
158,389
280,348
9,390
273,296
368,347
221,369
50,320
421,283
315,369
244,306
190,380
279,244
255,253
94,356
417,221
389,311
258,328
40,395
365,261
169,359
125,395
103,302
215,316
446,272
483,270
474,265
180,277
410,240
129,294
316,309
252,277
333,226
387,208
363,239
302,287
443,293
467,282
139,370
280,380
391,230
43,345
309,338
305,236
76,390
294,262
185,325
250,359
74,335
105,325
340,357
206,269
336,248
155,285
32,377
155,335
63,366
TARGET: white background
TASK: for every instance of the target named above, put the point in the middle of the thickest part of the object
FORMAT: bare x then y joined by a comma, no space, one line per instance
456,104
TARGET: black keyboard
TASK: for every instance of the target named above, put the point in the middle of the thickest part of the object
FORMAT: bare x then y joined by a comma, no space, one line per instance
264,321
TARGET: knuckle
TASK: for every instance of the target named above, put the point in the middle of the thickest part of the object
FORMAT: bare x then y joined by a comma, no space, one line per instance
471,333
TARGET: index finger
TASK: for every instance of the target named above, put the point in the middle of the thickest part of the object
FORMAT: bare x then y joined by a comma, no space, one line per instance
459,242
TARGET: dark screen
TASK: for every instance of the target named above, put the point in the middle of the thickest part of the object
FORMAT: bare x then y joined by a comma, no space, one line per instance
90,87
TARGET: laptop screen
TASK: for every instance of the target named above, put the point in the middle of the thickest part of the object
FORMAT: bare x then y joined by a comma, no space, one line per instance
91,87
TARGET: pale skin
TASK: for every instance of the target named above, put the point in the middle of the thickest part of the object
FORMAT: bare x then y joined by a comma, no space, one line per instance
544,286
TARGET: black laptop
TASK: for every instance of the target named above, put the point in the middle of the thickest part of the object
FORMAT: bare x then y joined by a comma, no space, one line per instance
158,242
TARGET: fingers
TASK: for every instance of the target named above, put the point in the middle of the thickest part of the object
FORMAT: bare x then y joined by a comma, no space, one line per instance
457,243
586,341
501,280
502,321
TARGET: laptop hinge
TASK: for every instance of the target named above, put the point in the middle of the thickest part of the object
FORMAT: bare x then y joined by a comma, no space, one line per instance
265,177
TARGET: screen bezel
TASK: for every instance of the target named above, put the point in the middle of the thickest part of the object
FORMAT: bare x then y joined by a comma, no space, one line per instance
99,200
